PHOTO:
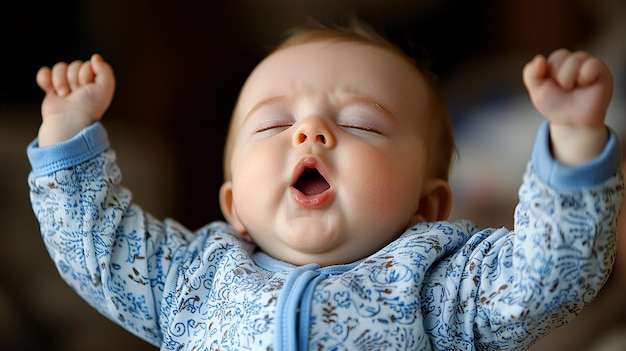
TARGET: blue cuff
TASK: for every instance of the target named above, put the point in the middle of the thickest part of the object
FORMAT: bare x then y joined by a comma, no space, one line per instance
84,146
586,175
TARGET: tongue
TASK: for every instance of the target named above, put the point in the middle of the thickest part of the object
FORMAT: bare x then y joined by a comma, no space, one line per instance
312,183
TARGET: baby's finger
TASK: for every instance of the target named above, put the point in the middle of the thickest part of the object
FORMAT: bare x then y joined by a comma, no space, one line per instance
86,75
44,79
59,79
555,61
567,74
103,72
591,70
72,74
534,72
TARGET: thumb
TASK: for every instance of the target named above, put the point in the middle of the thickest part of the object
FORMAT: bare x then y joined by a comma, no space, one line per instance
103,72
535,72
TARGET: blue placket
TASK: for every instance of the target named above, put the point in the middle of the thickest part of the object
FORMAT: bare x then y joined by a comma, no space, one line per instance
293,317
288,324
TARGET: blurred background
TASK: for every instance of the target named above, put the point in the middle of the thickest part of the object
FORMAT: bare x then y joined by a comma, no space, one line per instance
179,66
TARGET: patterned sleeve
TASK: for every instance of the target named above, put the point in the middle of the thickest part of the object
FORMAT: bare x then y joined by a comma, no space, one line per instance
119,259
517,286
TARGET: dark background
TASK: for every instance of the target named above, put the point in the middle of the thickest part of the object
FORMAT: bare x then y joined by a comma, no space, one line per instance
179,66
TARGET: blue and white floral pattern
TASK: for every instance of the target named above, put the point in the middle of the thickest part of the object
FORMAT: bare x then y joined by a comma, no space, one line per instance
440,286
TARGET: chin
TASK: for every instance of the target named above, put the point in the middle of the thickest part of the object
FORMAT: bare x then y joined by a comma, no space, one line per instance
312,240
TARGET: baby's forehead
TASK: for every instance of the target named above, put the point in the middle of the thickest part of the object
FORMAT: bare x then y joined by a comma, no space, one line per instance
347,66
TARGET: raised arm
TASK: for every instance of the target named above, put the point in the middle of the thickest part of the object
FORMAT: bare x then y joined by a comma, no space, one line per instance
108,250
572,91
560,254
77,94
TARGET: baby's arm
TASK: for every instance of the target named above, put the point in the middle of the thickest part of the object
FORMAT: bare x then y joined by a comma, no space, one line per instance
77,95
572,91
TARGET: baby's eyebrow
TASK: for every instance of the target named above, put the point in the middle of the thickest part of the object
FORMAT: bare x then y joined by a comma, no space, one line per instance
368,101
353,97
264,102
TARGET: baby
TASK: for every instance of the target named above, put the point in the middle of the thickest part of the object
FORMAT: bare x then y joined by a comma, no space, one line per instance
336,197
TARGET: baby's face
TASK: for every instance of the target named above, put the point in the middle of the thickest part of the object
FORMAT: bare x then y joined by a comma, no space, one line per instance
329,154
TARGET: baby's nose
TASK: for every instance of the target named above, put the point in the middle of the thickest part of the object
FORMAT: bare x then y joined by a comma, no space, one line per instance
302,137
314,130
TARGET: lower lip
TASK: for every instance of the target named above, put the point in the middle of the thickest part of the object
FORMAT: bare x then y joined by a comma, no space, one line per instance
311,201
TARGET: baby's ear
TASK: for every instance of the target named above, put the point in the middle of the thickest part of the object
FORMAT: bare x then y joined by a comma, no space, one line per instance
436,202
228,207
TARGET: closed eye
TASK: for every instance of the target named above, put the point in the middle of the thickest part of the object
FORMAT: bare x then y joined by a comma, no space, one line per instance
362,119
272,127
363,128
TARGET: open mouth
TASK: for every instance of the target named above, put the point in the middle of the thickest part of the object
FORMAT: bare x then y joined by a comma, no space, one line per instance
311,182
310,187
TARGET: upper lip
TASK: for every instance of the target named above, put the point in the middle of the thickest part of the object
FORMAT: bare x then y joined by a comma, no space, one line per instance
305,163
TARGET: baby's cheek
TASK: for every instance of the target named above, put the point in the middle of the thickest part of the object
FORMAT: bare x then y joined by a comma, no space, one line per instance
253,182
384,199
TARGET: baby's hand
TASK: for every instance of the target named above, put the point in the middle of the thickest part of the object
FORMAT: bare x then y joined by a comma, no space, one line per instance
77,95
572,91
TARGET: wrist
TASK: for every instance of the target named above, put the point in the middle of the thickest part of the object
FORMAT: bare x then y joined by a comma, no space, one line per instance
574,145
51,133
